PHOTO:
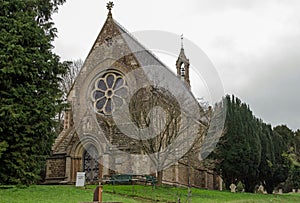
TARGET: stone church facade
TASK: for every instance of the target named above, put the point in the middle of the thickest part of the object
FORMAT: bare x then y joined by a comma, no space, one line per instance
93,142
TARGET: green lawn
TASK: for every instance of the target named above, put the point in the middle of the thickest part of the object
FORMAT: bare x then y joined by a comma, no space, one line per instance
133,194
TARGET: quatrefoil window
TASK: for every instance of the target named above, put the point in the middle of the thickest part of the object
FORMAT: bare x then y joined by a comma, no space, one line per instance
109,91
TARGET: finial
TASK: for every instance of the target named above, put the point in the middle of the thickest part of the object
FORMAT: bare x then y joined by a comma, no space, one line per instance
109,6
181,41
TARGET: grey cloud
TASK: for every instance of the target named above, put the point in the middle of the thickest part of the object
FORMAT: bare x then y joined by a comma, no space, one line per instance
218,5
274,90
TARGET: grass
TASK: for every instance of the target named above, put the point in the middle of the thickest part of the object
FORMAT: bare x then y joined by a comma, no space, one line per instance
55,193
171,194
133,194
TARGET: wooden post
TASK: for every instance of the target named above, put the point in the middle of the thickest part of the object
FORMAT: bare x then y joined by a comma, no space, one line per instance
100,192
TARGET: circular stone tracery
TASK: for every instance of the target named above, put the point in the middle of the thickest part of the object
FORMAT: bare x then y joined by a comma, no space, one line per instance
109,91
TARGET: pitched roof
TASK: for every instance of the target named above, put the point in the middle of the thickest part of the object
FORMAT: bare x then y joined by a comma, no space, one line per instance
111,28
142,54
114,29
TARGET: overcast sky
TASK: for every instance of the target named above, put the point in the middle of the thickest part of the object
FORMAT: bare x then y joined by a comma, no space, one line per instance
253,44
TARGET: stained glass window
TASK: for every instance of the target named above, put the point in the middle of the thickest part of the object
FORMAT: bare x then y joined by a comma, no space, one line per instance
109,92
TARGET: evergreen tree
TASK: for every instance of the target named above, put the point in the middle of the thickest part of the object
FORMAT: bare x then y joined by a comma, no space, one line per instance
297,144
288,161
282,164
275,163
238,151
29,80
225,153
251,129
267,164
287,136
251,152
3,146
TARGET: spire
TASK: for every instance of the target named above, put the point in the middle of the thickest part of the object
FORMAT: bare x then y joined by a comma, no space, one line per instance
109,7
182,54
181,41
182,65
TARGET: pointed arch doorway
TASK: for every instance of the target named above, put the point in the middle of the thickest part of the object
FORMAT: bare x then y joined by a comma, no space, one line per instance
91,165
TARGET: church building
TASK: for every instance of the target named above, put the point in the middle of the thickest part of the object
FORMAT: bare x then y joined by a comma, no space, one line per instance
107,131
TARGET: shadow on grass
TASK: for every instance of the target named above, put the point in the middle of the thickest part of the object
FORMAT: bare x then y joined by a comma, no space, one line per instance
5,187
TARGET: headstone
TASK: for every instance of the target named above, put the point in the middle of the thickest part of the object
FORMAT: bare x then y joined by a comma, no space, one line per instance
80,179
294,190
232,187
261,189
220,184
280,191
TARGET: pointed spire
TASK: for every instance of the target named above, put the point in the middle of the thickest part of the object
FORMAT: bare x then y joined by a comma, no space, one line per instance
182,65
181,41
182,54
109,6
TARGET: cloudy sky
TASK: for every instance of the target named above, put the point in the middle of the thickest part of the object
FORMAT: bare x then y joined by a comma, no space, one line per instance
254,45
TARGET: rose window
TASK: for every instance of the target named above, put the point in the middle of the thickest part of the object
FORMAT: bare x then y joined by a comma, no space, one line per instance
109,91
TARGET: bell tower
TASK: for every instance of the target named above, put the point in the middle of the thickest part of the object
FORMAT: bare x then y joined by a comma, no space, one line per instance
183,65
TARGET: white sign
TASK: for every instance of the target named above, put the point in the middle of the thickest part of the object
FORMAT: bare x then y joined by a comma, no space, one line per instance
80,179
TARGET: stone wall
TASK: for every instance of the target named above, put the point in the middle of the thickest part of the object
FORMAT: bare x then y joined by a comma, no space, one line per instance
56,166
181,174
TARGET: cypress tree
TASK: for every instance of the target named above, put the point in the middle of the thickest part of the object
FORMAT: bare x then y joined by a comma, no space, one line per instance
281,165
267,164
251,152
238,152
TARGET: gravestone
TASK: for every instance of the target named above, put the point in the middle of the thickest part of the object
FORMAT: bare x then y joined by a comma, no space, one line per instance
261,189
232,187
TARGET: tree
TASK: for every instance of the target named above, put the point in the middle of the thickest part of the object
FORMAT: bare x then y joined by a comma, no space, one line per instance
287,136
161,115
238,153
140,114
66,83
282,165
267,165
251,152
275,161
3,147
29,80
161,119
69,78
288,161
297,144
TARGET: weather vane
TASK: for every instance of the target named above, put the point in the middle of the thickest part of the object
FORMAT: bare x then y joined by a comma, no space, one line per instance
110,5
182,41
